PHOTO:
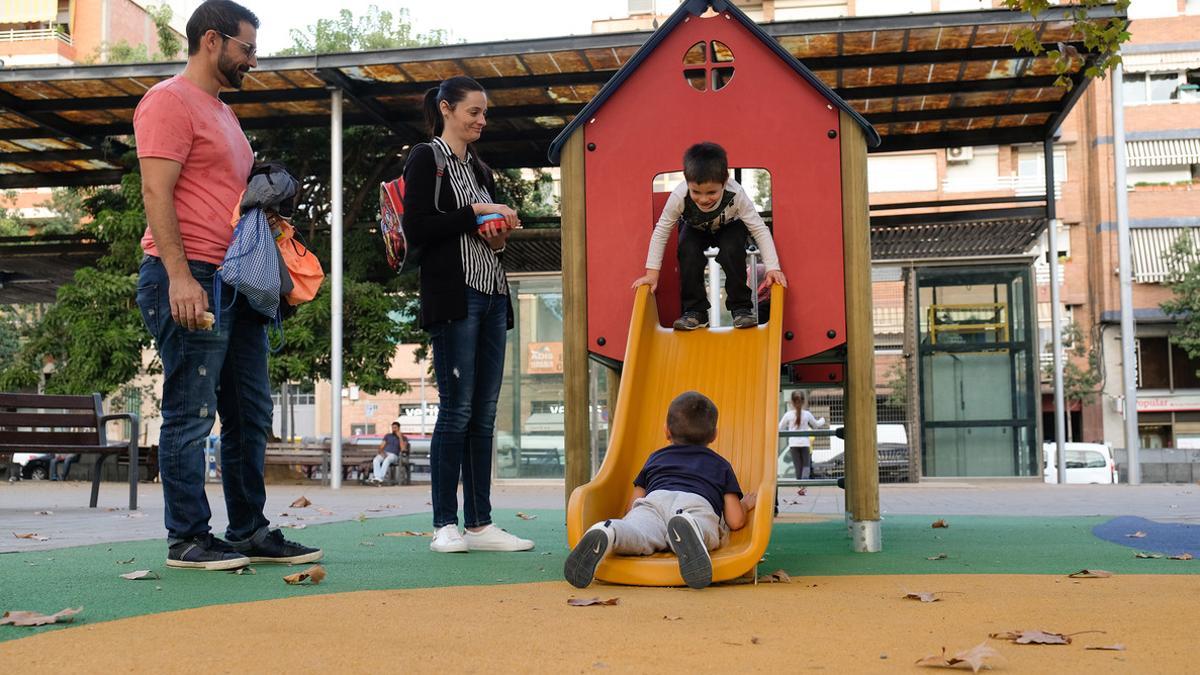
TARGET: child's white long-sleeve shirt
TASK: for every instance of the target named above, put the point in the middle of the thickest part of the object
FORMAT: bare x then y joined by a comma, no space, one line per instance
807,421
741,208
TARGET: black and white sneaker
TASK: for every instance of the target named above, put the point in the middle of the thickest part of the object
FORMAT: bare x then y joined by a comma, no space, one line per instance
691,321
269,546
205,552
695,565
744,318
593,546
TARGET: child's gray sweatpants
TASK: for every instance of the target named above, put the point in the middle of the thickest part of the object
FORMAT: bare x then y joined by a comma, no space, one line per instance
644,529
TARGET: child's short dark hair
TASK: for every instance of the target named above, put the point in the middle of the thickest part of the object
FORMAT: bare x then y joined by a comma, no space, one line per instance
705,163
692,419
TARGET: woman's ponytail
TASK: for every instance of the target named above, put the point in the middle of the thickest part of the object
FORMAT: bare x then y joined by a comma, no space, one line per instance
433,114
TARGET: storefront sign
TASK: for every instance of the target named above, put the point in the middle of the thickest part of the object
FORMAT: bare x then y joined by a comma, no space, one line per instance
545,358
1169,403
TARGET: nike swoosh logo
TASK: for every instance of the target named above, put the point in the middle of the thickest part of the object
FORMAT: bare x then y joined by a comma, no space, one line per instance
597,549
676,536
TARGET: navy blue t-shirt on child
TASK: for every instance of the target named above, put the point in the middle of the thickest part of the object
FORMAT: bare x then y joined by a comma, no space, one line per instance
690,468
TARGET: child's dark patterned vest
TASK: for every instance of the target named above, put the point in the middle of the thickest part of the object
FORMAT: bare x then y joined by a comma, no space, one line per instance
705,221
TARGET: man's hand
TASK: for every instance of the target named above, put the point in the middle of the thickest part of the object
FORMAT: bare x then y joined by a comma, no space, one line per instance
649,279
188,301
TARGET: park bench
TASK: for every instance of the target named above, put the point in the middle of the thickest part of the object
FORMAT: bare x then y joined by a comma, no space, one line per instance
399,473
41,423
303,455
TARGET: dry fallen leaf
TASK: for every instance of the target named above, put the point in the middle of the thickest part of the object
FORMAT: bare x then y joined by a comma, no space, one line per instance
753,639
19,618
923,597
324,511
778,576
1033,637
975,658
294,526
141,574
301,503
407,533
134,514
243,570
31,535
585,602
1143,554
670,617
1108,648
43,513
1181,556
940,556
939,523
1090,574
126,562
313,575
366,543
362,517
1137,535
525,516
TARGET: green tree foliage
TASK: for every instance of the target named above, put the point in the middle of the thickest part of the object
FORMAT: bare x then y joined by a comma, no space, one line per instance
377,29
1183,263
93,334
1080,382
897,380
531,197
1102,37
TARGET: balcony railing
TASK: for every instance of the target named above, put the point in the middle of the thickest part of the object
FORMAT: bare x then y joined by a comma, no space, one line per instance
34,35
1020,185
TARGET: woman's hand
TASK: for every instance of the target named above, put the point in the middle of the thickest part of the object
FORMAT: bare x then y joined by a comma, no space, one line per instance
649,279
511,220
775,277
498,240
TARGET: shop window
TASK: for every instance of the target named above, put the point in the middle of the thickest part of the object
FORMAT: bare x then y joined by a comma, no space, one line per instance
1154,435
362,429
1153,363
1183,369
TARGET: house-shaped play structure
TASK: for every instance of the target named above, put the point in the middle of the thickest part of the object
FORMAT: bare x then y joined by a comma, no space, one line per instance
711,74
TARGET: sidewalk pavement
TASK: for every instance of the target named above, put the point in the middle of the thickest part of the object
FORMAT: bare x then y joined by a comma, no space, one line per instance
71,523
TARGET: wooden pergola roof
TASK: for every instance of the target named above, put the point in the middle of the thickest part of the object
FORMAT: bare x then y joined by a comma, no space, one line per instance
923,80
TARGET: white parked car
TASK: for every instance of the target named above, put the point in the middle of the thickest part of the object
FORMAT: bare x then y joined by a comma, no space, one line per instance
891,441
1086,463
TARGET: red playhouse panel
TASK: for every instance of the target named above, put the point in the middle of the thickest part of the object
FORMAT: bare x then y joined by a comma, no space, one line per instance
765,116
817,373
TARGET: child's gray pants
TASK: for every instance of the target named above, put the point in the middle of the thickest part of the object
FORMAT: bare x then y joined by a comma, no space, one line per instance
644,529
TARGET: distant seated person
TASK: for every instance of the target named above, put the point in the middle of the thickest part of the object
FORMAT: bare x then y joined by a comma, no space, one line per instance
679,499
391,448
66,461
711,209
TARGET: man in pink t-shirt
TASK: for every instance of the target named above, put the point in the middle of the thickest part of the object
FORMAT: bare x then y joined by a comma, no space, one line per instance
195,161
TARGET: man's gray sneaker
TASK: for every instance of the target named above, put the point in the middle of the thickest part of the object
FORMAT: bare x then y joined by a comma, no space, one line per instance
205,552
691,321
269,546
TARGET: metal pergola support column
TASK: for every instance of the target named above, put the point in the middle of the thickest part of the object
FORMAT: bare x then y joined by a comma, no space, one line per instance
1055,312
1125,269
335,264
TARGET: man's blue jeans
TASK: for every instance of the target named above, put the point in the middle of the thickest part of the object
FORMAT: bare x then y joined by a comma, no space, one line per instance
468,361
206,373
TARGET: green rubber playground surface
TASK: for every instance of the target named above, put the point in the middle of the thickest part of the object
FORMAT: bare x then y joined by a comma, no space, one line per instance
360,557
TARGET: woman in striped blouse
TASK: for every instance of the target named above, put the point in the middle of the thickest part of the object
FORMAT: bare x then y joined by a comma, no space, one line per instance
465,308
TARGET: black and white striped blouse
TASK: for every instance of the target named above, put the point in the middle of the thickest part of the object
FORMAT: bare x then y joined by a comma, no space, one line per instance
481,267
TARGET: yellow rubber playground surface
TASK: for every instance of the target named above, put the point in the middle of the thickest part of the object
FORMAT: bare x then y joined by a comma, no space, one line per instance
388,604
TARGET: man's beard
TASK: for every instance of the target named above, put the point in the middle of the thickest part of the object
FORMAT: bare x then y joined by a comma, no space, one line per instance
231,71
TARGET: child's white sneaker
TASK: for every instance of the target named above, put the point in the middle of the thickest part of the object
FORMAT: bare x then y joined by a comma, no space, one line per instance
492,538
593,546
683,535
448,540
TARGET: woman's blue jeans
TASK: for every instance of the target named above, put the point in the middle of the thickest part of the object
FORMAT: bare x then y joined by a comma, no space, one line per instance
468,361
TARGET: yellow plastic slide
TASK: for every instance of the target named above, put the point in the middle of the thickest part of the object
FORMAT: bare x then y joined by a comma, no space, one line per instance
739,371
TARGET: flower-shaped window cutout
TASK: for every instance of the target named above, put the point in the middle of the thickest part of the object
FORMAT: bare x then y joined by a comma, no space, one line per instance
705,66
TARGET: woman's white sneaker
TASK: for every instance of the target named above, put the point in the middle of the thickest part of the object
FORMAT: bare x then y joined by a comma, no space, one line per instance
447,539
492,538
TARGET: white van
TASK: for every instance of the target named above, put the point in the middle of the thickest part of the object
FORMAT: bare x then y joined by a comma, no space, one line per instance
1086,463
888,437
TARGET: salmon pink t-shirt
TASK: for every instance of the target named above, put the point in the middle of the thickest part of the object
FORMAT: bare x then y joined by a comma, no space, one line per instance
179,121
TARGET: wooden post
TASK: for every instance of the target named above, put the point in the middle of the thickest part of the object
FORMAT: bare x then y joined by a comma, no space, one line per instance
575,335
862,463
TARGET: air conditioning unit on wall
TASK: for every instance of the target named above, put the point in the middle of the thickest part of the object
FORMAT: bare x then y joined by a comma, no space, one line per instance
960,154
